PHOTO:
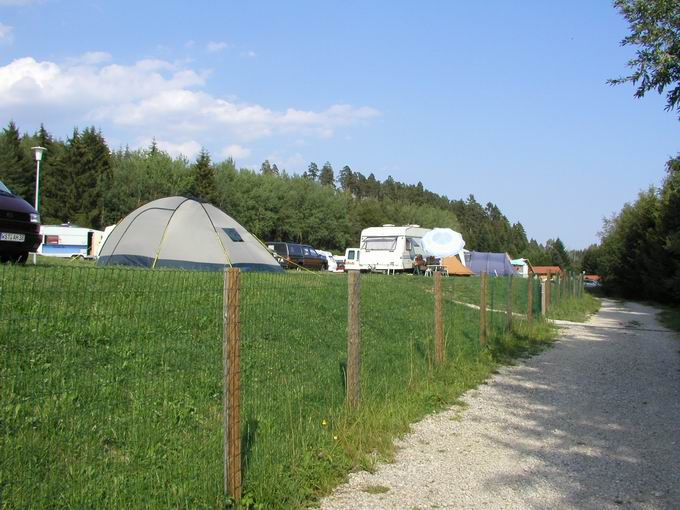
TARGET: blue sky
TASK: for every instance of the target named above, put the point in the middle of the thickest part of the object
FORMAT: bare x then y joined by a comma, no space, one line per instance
504,100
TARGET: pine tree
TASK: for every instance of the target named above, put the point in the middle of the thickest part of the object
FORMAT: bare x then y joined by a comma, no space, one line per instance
49,179
327,177
96,174
153,148
64,193
204,187
558,254
266,168
18,170
312,172
346,179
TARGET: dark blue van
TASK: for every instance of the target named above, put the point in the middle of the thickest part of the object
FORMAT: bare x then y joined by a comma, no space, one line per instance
19,227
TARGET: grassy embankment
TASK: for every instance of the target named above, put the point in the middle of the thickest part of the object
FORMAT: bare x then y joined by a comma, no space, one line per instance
112,381
670,317
575,310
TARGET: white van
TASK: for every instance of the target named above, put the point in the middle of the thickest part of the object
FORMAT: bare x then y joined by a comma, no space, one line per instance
352,263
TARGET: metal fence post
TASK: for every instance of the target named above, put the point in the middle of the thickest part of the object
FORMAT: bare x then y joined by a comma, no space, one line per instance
353,338
438,320
482,310
232,383
546,294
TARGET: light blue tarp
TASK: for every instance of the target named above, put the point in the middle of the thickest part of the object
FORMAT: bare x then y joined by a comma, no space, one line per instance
495,264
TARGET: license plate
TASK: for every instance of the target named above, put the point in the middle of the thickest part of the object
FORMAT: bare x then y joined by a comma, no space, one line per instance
17,238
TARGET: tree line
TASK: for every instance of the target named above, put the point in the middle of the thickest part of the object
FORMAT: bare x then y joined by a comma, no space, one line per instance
639,253
85,183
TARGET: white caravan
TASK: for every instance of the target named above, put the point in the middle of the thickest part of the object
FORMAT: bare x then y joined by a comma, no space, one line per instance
69,241
389,248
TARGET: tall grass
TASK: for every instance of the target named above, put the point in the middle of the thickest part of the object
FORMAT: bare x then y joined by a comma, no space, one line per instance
111,381
574,309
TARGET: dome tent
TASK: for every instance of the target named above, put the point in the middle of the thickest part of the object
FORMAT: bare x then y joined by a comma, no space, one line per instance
182,232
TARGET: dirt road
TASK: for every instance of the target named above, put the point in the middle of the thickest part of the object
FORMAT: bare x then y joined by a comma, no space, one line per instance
592,423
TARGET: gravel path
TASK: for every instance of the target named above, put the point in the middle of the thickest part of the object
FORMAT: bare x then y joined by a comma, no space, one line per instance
592,423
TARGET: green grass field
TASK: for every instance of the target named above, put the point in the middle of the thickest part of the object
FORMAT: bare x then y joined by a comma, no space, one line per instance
111,380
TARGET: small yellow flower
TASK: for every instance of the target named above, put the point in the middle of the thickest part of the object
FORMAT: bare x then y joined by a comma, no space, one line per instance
324,423
335,438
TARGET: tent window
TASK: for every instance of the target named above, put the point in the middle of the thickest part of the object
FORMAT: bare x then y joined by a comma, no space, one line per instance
233,235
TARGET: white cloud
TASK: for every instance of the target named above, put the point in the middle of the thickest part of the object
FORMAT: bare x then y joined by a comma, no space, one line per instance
249,54
293,163
26,81
189,148
91,58
156,98
216,46
6,33
236,151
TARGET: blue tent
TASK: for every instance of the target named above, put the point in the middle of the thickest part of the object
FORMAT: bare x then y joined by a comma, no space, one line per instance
495,264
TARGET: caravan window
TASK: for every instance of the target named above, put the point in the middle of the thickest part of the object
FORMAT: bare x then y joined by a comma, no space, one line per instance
380,243
411,243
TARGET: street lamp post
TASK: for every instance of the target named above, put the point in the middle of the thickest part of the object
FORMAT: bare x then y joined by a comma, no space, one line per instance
38,157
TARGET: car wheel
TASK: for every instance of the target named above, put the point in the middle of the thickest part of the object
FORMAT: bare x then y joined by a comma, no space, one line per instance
21,258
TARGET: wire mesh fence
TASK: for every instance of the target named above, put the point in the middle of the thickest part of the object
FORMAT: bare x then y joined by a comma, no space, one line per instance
110,387
112,379
293,345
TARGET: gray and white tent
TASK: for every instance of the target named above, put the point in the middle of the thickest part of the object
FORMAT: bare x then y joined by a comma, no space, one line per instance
184,233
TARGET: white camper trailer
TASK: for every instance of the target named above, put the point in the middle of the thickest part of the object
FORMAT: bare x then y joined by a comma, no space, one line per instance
69,241
390,248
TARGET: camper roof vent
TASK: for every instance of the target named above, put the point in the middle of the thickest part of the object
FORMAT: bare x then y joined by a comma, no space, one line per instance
388,225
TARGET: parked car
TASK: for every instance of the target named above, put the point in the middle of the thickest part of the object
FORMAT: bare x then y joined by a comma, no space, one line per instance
19,227
293,256
336,263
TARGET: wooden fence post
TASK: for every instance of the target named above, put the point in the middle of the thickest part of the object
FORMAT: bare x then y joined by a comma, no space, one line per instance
482,310
530,299
232,383
548,292
438,320
509,309
353,338
574,285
